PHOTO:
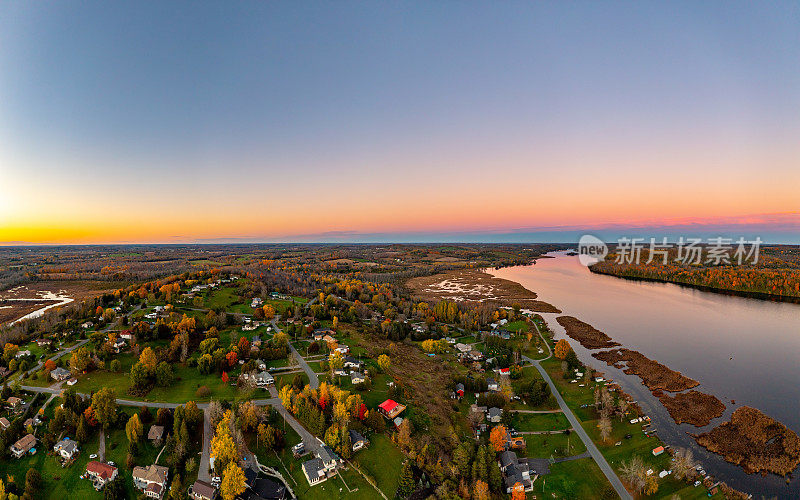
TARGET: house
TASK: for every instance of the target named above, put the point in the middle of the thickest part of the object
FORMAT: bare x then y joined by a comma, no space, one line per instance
353,363
357,378
59,374
126,335
202,490
464,348
14,402
256,340
67,448
72,381
343,349
4,423
504,371
322,467
460,390
492,384
156,433
31,422
398,421
518,471
151,480
264,379
43,342
23,353
357,441
340,372
87,325
118,345
329,340
261,365
23,446
257,302
390,409
476,355
101,473
494,415
477,411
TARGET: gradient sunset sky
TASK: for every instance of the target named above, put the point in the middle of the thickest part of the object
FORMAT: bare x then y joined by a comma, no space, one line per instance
402,121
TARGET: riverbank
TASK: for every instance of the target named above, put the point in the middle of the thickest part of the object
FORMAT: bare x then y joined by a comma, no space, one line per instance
705,288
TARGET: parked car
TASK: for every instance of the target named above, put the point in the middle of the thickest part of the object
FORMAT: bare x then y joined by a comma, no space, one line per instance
93,456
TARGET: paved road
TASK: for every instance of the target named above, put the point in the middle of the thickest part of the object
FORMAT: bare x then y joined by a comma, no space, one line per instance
312,444
591,448
203,473
313,379
58,355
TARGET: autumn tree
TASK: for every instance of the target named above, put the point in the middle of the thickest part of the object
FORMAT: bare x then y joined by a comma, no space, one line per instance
148,360
223,448
269,312
498,438
481,491
384,362
104,403
562,349
604,424
233,481
133,429
518,492
406,486
80,359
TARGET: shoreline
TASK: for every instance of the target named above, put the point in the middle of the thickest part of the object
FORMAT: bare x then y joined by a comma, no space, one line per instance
704,288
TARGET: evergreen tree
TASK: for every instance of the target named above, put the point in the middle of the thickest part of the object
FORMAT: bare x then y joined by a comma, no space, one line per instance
406,486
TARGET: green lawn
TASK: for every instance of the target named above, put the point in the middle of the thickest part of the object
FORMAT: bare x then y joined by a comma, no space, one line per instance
59,483
525,422
574,479
381,461
180,391
556,445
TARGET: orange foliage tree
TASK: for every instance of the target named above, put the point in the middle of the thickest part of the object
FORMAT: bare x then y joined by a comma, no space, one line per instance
562,349
498,438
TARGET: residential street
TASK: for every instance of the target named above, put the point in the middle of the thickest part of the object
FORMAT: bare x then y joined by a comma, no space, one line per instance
591,448
312,377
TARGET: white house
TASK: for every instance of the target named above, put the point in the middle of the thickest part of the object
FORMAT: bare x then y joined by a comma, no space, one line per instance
67,448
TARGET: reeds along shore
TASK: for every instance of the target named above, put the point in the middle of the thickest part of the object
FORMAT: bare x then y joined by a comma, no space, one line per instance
755,441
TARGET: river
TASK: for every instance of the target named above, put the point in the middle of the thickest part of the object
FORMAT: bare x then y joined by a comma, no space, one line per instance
739,349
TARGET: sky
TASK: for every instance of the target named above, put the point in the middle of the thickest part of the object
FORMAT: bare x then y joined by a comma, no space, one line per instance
167,122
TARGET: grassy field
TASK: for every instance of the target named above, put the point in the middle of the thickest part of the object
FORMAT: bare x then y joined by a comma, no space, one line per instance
58,483
184,388
382,461
526,422
556,445
574,479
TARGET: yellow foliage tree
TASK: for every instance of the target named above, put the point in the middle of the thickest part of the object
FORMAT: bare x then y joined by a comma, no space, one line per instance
233,482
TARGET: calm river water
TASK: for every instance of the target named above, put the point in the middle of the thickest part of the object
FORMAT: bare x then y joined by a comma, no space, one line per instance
739,349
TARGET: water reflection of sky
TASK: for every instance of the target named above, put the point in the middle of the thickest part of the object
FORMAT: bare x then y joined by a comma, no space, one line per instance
741,349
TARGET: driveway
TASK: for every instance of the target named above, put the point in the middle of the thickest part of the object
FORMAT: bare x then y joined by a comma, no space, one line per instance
313,379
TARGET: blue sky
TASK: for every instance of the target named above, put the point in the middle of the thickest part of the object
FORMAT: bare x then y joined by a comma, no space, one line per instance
412,109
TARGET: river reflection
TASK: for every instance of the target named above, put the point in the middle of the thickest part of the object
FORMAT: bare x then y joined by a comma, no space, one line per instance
739,349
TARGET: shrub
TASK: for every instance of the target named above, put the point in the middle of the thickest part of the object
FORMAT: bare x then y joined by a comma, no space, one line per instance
203,392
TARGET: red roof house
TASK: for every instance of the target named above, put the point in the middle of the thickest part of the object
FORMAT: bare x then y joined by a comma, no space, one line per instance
390,408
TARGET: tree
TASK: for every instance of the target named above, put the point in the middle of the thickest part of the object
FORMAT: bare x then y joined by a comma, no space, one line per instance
384,362
104,403
481,491
518,492
134,429
634,472
223,448
562,349
498,438
192,414
33,481
249,415
683,464
82,432
149,360
406,486
269,312
335,361
604,424
164,375
233,482
115,365
80,359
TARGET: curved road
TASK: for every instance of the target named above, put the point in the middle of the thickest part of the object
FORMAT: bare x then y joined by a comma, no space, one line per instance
576,425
